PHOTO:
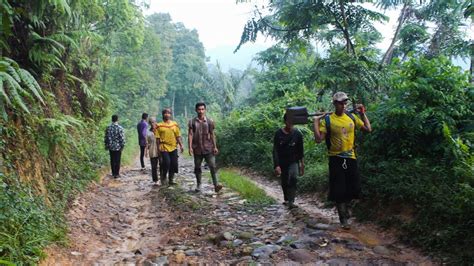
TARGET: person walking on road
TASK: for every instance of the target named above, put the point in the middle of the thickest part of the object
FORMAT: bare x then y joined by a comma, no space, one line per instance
142,132
288,159
338,129
202,145
168,138
152,150
114,141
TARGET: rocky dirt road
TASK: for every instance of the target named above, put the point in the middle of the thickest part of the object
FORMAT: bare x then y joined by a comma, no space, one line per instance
127,221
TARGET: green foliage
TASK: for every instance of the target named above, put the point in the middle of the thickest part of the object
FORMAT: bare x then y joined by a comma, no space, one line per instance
51,106
16,84
27,224
246,137
421,153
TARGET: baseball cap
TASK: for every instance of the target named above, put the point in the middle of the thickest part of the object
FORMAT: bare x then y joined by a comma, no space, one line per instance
340,96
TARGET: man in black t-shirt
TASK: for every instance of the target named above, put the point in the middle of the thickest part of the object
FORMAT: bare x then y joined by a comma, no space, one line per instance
288,158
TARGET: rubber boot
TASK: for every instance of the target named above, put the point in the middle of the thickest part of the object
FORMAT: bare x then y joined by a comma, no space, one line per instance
343,217
171,178
291,192
198,182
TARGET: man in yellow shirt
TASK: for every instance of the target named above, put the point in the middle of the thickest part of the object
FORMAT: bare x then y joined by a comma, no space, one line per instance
338,129
168,138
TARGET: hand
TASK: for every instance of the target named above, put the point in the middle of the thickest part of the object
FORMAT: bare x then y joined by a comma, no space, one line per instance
277,171
146,153
302,169
215,151
181,148
360,108
191,152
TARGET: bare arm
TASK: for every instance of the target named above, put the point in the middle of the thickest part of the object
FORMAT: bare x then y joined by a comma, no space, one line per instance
366,127
180,143
214,142
318,135
190,141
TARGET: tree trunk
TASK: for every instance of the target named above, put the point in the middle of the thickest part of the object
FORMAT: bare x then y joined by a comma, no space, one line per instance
436,41
185,110
172,103
471,69
345,29
387,58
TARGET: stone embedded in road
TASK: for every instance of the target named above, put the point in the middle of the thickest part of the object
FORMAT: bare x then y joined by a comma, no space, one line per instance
180,258
286,239
355,246
245,235
192,252
237,242
181,247
265,251
320,226
247,250
382,250
301,256
167,252
257,244
228,236
161,261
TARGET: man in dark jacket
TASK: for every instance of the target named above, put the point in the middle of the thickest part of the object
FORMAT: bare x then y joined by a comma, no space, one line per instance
288,158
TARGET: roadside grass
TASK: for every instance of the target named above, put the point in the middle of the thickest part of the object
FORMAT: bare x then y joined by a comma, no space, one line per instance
178,198
131,148
246,188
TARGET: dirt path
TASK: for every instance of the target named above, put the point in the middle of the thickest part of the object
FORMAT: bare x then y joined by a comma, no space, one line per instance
128,221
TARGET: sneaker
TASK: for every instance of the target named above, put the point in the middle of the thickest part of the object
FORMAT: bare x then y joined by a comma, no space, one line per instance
285,202
217,188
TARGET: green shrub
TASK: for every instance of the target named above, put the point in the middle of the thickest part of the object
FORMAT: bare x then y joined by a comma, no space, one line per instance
420,153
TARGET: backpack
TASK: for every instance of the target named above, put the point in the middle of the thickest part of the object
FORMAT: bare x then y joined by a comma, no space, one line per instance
328,128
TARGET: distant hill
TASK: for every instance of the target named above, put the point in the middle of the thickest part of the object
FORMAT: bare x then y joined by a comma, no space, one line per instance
240,60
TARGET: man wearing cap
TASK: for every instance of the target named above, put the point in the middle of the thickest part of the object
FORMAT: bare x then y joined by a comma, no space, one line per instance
338,129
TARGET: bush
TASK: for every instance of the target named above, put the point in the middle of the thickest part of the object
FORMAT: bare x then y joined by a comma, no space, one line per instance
420,153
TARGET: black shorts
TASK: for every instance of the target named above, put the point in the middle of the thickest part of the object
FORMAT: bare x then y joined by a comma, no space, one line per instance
344,180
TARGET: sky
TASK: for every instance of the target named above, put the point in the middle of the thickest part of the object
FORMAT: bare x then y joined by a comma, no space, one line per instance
220,24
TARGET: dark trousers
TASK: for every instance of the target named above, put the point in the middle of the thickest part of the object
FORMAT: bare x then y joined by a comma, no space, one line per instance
169,165
154,168
142,155
115,162
289,175
211,162
344,180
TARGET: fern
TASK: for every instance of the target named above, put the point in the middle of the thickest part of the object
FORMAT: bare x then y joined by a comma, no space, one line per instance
16,84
